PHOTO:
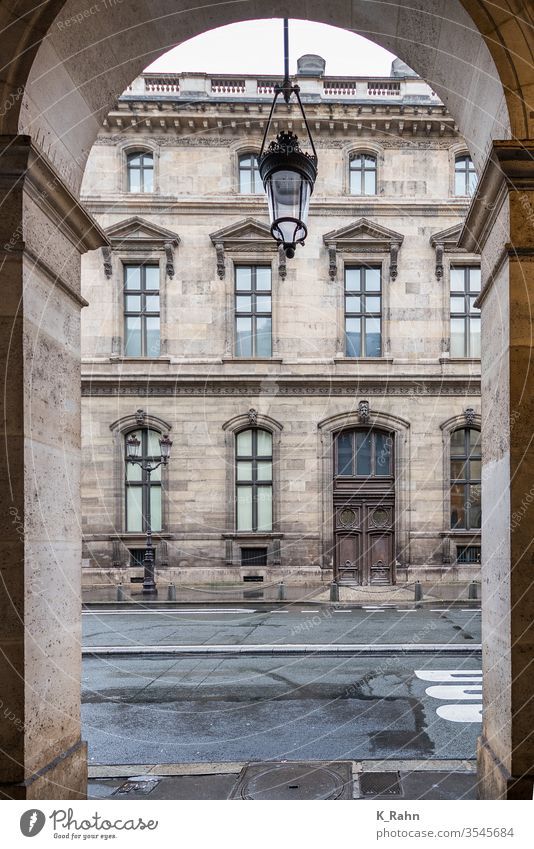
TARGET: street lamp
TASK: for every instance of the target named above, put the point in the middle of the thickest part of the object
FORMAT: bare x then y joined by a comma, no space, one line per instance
134,456
288,173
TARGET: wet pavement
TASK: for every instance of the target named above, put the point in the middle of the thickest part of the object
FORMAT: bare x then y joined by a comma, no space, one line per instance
288,624
146,709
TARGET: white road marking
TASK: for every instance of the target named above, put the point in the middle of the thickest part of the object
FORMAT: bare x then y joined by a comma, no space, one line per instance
455,685
310,610
167,612
455,692
461,713
455,676
343,611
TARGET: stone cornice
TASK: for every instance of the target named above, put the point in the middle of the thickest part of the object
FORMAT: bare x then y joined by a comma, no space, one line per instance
237,205
272,386
509,167
23,162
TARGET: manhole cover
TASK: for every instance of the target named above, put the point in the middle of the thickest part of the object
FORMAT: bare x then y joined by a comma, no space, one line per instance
295,781
380,784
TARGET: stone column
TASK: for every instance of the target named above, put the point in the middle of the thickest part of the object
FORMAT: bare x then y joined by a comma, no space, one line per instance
43,230
503,213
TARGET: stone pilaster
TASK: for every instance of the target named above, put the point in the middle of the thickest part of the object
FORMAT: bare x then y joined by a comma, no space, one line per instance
503,213
43,230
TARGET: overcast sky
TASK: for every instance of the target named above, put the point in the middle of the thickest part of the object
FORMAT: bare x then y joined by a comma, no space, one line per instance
256,47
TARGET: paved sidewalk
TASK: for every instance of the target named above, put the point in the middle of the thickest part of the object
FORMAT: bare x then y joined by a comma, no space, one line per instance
375,780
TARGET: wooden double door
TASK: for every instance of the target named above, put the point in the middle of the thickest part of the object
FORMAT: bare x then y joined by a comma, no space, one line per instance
364,538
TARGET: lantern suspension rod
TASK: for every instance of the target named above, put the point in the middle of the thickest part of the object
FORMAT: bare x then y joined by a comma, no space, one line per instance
286,85
286,90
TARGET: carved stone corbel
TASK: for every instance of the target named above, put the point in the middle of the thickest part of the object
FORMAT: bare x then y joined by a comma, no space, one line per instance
363,412
282,264
169,256
439,260
221,263
252,416
140,416
332,262
469,414
108,268
393,260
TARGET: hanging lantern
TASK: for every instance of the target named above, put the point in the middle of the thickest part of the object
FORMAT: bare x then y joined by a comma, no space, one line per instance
288,173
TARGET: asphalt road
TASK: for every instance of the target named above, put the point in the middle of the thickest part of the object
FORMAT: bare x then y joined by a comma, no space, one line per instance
283,625
149,708
154,709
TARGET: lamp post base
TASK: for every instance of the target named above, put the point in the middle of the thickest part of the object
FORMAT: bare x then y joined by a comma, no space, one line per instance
149,588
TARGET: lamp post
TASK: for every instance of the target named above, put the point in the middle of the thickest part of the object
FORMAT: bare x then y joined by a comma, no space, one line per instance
288,173
134,456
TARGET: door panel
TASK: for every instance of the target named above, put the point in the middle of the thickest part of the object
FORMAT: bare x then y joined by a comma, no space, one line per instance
348,557
364,539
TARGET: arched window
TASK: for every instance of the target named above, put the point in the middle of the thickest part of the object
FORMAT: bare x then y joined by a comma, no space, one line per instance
143,498
140,168
254,480
249,176
465,176
362,173
364,454
465,479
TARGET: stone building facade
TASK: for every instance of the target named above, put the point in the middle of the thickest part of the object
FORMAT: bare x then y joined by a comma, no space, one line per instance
324,410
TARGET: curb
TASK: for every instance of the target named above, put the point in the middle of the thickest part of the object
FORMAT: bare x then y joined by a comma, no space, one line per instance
318,649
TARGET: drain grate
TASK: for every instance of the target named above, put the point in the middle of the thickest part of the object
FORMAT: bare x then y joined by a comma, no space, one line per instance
380,784
141,786
295,781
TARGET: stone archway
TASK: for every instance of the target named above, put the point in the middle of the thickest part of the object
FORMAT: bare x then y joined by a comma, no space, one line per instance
61,74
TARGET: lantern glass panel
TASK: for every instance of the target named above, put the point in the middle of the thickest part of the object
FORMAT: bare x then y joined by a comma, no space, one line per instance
289,198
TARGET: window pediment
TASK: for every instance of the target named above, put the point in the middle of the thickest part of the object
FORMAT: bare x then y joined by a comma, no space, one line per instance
136,234
360,237
246,236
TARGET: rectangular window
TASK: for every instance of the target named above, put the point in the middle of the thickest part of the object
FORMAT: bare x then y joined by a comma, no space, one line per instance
363,311
137,556
465,317
253,311
468,554
141,311
253,557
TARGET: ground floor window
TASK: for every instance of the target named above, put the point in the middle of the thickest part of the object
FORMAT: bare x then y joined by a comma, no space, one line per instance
254,480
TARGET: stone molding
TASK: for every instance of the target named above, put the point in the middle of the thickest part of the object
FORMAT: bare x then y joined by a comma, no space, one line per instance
246,236
262,386
363,236
23,163
335,205
245,420
135,421
136,234
509,167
